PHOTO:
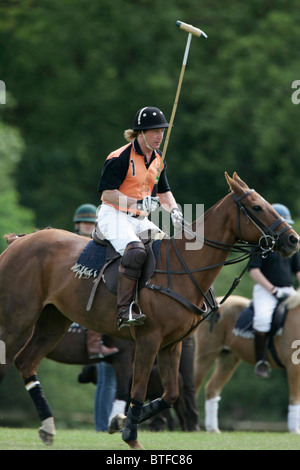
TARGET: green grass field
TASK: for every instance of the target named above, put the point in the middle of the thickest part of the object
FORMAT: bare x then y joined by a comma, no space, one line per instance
27,439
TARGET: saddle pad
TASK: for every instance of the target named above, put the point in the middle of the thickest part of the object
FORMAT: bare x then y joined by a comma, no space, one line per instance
93,258
244,324
90,261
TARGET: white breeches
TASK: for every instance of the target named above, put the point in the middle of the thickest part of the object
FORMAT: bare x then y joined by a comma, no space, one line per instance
264,304
120,228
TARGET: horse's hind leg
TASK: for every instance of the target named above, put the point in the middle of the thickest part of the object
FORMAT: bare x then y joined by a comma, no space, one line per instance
49,329
226,364
12,341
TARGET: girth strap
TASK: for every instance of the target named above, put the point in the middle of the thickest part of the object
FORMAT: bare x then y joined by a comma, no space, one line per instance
179,298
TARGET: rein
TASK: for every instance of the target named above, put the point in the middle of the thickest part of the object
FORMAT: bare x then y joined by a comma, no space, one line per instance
264,247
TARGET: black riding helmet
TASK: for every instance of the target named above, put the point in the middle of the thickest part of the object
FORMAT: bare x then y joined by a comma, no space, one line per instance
149,118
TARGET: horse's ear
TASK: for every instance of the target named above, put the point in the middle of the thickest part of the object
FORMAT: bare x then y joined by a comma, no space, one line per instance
236,186
239,180
229,180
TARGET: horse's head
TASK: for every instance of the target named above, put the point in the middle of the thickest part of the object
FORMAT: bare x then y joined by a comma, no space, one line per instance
256,221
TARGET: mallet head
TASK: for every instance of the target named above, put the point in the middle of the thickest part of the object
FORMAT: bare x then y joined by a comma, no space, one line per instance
190,29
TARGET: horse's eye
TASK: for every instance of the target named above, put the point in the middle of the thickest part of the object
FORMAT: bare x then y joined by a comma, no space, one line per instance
257,208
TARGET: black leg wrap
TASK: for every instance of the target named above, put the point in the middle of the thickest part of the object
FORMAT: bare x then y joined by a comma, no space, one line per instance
129,432
35,390
152,408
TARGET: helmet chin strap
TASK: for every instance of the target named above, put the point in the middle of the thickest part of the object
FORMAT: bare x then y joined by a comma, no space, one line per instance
146,143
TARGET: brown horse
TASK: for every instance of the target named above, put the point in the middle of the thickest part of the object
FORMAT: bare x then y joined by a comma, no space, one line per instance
40,297
227,349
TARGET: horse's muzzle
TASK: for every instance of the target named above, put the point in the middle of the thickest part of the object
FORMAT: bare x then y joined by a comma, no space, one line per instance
287,244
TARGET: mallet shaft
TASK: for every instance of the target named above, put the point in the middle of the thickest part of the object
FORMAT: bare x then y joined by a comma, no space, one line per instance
197,32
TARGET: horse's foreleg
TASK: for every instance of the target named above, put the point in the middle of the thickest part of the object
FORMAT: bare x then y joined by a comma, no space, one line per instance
168,363
226,364
145,352
49,329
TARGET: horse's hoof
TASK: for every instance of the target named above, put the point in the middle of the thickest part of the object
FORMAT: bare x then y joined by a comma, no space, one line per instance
46,437
213,431
117,423
135,445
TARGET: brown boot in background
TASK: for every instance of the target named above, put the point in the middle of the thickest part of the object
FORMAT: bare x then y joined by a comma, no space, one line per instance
96,348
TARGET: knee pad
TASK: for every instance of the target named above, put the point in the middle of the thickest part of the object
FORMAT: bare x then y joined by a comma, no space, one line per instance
133,259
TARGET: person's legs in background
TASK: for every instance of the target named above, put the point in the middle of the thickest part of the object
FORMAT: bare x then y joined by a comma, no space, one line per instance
186,369
104,395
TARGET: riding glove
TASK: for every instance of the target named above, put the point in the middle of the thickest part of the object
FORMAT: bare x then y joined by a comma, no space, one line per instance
177,218
148,204
280,293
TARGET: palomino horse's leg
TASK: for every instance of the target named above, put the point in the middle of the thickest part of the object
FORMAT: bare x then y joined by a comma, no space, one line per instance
226,364
293,376
49,329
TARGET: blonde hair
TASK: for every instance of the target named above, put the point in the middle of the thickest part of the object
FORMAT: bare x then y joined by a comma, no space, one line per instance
130,135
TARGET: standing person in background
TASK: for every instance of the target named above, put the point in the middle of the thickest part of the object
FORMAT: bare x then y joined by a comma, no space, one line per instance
273,278
84,223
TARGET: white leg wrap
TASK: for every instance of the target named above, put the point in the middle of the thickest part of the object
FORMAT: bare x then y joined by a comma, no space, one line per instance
294,419
211,414
118,408
48,426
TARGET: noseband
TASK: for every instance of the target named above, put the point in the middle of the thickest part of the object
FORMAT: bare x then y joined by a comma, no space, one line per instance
269,237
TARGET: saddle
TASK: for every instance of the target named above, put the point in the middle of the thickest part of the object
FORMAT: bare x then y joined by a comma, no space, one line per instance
244,325
100,260
113,259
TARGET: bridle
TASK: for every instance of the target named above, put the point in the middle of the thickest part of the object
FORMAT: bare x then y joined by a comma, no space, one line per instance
265,246
269,237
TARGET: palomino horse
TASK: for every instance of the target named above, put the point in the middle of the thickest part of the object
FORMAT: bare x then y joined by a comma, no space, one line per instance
40,297
226,349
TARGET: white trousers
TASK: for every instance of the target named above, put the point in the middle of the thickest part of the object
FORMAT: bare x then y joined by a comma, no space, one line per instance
120,228
264,304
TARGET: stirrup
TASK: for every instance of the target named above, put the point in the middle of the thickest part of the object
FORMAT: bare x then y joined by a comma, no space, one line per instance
262,369
138,320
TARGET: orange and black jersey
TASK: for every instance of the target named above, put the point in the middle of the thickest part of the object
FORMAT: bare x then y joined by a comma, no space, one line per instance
127,170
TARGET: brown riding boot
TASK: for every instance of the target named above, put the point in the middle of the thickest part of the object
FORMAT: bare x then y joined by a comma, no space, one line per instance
125,304
262,366
96,348
129,272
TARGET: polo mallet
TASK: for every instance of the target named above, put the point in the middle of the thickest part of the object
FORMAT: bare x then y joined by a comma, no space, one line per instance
196,32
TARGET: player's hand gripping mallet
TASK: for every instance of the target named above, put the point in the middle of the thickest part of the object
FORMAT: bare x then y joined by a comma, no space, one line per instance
192,31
